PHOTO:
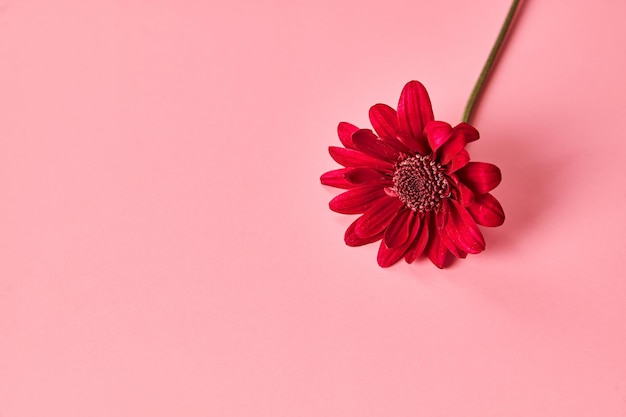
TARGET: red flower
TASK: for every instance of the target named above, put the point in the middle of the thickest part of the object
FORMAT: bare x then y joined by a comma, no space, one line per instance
413,184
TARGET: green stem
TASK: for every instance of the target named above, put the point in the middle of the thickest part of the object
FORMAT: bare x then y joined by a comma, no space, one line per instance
467,115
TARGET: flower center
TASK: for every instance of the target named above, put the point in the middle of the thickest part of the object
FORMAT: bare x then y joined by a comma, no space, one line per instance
420,183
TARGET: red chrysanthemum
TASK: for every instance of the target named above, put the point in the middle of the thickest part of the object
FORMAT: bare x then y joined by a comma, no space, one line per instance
413,184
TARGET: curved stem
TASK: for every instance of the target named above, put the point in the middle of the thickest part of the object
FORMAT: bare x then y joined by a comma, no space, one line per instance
489,63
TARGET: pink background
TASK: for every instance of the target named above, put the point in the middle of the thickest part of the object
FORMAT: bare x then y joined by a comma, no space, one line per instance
166,248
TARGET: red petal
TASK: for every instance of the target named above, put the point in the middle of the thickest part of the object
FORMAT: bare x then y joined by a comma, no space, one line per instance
336,178
441,216
389,256
436,250
384,120
469,131
362,175
345,131
416,145
487,211
352,158
463,231
356,200
459,161
446,240
461,135
419,244
397,233
455,144
376,219
414,109
466,196
437,134
367,142
481,177
352,239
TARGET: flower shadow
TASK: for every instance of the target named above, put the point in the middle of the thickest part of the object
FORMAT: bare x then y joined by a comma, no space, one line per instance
529,189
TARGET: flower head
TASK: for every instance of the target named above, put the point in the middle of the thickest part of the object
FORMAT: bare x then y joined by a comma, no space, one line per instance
413,184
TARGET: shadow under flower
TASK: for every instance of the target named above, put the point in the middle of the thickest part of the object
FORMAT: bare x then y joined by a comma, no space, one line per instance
529,186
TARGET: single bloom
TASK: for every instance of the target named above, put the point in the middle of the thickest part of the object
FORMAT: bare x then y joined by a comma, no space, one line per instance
412,182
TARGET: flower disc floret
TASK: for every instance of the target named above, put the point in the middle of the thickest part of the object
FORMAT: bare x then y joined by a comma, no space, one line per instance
420,183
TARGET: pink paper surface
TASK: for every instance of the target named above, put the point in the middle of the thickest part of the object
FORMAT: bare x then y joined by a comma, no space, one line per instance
166,248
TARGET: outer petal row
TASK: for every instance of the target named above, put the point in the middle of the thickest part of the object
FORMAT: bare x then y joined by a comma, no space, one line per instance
354,176
357,200
352,239
414,109
480,177
345,131
436,250
397,233
450,141
462,230
367,142
414,112
419,244
354,158
487,211
377,218
384,120
388,256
